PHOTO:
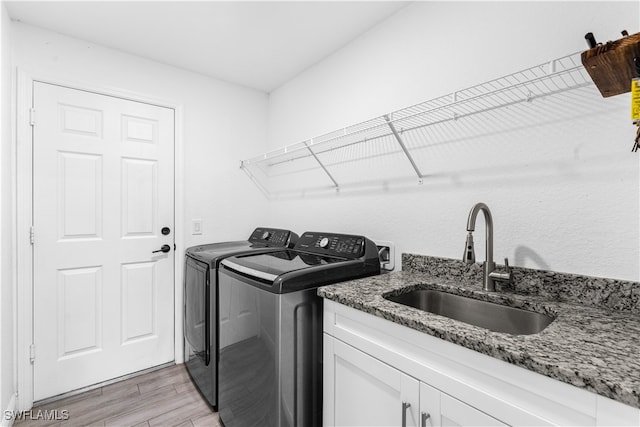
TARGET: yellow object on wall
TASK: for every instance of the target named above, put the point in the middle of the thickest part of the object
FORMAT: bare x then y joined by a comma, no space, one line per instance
635,100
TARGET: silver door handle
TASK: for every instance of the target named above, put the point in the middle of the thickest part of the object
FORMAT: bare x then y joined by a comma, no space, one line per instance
405,406
423,419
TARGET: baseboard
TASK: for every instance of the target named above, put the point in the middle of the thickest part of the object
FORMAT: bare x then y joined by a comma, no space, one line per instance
8,415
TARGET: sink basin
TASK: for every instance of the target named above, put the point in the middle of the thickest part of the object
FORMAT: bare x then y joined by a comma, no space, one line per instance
495,317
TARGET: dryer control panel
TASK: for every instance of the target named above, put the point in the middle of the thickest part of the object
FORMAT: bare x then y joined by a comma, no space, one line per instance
273,237
338,245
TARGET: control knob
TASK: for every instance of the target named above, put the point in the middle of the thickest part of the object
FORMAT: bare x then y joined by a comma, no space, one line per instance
324,242
266,235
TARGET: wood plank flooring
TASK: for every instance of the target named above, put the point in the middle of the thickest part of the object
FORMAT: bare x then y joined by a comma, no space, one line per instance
166,397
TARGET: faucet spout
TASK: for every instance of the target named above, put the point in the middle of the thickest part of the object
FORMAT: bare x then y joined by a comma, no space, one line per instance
469,255
488,281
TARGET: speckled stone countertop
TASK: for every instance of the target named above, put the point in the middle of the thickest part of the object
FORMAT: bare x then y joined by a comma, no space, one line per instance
594,342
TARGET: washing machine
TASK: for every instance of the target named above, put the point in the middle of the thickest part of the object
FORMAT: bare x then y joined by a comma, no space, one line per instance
201,301
270,320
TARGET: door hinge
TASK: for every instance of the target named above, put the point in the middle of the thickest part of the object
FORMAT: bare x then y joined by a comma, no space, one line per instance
32,235
32,353
32,116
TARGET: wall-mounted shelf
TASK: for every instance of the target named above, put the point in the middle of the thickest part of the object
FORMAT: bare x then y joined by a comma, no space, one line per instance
394,139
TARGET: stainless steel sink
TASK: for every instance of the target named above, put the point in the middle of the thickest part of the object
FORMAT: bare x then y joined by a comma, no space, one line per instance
495,317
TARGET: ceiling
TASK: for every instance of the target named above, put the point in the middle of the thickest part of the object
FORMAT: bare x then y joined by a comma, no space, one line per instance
258,44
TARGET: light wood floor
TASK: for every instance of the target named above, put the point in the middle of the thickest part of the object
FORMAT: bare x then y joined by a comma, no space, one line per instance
166,397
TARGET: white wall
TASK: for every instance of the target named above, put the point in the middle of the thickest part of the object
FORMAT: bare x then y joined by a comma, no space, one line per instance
563,191
7,385
222,123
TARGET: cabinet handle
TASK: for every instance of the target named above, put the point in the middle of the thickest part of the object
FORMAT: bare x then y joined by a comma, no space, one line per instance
423,419
405,406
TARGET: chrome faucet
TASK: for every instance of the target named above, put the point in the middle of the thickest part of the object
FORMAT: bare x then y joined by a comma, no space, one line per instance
489,276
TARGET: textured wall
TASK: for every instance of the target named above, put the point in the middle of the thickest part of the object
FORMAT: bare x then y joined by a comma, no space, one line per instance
558,176
215,133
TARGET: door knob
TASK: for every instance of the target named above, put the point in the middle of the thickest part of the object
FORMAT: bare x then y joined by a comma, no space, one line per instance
163,249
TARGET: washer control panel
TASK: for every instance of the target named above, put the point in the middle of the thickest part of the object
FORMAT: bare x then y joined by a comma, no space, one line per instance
273,237
339,245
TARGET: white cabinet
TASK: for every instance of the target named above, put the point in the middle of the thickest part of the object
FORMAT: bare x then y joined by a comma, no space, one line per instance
373,366
455,413
365,391
439,409
362,391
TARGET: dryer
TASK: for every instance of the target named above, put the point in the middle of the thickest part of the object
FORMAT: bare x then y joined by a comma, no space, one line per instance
201,301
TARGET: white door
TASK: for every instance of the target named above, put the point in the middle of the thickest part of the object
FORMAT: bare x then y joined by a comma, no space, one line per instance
103,191
456,413
441,410
430,415
362,391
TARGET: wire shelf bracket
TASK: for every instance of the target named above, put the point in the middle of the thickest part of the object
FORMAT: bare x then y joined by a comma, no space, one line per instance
244,166
324,168
404,148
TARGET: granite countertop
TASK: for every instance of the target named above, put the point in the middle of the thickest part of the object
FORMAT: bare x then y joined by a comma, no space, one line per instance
586,346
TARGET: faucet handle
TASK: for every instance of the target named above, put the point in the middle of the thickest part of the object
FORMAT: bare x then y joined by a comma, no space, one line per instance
504,276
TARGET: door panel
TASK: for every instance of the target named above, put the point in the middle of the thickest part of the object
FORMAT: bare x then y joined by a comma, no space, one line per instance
80,199
368,392
79,311
139,197
103,189
197,311
457,413
429,406
139,287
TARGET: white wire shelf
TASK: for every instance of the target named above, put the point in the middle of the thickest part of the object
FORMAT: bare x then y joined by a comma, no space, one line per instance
394,139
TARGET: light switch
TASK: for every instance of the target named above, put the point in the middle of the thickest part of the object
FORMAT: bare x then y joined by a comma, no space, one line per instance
196,226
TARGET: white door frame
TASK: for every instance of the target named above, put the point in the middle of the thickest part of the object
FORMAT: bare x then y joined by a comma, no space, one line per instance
23,314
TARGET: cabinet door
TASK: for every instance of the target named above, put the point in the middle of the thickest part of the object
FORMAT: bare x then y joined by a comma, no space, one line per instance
455,413
362,391
439,409
429,406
